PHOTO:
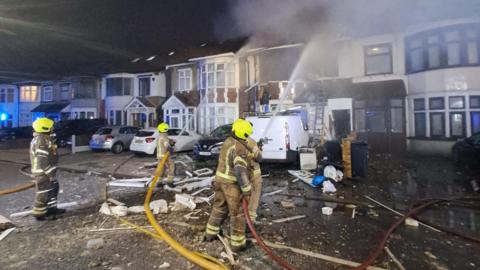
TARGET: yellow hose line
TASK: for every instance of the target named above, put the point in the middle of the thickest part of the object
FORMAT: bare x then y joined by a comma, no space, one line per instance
203,261
18,188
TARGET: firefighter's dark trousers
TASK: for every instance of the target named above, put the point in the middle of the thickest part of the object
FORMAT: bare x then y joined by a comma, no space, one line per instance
228,201
46,194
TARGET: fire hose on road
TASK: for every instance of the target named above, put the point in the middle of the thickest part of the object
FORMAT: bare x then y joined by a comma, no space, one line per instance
260,242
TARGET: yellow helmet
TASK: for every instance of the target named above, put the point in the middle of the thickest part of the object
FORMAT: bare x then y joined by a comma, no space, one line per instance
163,127
242,129
42,125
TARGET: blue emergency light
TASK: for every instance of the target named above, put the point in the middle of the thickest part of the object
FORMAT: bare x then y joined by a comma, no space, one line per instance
3,116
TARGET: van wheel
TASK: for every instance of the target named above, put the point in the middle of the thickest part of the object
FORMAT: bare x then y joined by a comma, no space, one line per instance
117,148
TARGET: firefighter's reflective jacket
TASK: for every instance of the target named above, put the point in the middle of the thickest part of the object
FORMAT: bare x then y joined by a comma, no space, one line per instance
232,164
254,157
163,145
43,154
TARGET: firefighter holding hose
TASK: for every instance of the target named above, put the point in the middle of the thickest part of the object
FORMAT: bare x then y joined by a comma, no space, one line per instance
165,144
44,159
231,185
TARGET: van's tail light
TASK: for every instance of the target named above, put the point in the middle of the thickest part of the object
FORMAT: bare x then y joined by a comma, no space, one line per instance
287,137
108,138
149,139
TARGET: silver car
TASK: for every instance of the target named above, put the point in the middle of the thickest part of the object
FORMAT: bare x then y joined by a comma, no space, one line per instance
114,138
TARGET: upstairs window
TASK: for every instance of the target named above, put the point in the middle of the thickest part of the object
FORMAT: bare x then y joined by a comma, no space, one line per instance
10,95
28,93
378,59
86,89
47,93
445,47
65,91
184,79
217,75
144,86
119,86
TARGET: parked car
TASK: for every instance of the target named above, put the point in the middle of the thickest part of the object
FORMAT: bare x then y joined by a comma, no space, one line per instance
145,141
467,150
282,136
64,129
7,134
114,138
209,146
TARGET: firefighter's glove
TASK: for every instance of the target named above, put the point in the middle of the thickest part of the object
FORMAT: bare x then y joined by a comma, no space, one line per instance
172,143
246,190
260,144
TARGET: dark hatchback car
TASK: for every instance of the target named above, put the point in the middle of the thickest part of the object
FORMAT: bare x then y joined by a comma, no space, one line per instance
64,129
209,146
467,150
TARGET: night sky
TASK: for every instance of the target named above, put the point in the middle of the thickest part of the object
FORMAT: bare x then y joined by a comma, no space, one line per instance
50,39
54,38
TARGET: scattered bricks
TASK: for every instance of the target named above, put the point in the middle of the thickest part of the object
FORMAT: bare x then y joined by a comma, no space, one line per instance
159,207
5,223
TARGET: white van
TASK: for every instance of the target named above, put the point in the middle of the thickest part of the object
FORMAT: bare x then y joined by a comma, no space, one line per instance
285,135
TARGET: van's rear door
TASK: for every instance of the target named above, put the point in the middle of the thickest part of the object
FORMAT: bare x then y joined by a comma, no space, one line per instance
274,145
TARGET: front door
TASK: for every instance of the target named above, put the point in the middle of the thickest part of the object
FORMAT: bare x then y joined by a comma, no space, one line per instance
381,124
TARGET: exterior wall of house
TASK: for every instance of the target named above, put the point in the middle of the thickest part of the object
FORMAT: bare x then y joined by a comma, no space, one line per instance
8,106
114,105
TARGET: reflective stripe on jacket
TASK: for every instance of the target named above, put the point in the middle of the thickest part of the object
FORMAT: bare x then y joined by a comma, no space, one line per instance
43,154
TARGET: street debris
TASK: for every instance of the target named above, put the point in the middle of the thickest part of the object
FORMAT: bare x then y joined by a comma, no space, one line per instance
118,203
394,259
229,252
189,215
183,201
159,206
411,222
398,213
281,220
318,255
204,182
138,209
6,233
350,210
60,205
430,255
288,204
119,210
200,191
5,223
164,265
96,243
327,210
328,187
305,176
118,229
272,193
203,172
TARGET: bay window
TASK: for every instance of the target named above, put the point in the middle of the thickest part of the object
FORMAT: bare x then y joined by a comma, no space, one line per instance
119,86
219,75
184,79
47,93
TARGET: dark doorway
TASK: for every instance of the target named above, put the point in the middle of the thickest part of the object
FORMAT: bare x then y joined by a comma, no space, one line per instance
341,123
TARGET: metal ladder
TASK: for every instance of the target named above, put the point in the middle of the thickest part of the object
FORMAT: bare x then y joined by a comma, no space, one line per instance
319,117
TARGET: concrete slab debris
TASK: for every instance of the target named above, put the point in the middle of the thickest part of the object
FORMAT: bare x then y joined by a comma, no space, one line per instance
327,210
138,209
159,206
185,200
200,184
118,203
164,265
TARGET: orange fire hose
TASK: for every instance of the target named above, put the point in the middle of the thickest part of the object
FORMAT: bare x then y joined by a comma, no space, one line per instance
260,242
18,188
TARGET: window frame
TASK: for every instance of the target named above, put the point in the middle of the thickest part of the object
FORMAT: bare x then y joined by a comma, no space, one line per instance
431,114
470,101
144,78
119,92
184,77
366,55
32,91
44,88
424,114
430,99
454,108
65,88
464,124
463,40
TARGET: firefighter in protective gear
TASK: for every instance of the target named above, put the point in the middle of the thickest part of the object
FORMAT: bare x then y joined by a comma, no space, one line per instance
231,185
165,144
255,174
44,158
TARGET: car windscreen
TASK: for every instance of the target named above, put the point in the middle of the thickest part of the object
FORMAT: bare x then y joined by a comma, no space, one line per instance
221,131
144,133
104,131
173,132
